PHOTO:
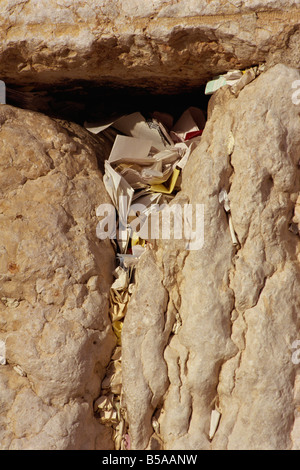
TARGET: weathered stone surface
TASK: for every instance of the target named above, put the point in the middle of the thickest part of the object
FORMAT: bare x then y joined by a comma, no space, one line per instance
162,45
239,306
55,278
145,336
204,329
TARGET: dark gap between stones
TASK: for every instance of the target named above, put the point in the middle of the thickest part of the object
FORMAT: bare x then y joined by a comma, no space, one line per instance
87,103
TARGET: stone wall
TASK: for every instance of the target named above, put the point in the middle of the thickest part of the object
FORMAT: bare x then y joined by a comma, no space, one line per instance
206,330
55,277
238,306
163,45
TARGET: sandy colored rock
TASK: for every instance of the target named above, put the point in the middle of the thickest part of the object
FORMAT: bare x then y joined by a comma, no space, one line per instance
144,338
238,304
162,45
212,329
55,277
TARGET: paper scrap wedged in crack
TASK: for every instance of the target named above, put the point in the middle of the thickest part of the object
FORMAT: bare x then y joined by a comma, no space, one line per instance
2,353
224,200
142,175
130,150
235,79
189,125
144,167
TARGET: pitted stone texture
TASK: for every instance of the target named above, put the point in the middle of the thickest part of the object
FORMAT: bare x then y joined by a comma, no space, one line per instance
55,277
239,306
145,334
161,45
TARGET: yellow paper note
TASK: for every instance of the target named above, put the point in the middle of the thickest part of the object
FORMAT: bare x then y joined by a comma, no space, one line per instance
168,186
136,240
117,327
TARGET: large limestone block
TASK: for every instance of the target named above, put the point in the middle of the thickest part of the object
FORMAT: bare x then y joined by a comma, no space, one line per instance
55,277
164,45
238,305
144,338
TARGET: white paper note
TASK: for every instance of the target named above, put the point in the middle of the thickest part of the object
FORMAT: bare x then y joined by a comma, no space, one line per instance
130,149
2,353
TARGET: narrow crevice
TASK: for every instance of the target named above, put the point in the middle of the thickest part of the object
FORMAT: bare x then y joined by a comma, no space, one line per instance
87,102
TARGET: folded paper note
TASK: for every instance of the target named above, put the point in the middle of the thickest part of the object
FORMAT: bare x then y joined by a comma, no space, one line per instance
214,84
130,149
224,200
121,195
236,79
190,122
140,177
128,260
135,125
187,148
97,127
2,353
214,422
168,187
230,78
117,328
140,171
119,190
122,281
247,77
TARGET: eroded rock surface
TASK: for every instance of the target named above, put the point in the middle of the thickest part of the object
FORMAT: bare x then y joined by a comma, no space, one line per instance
163,45
238,305
55,277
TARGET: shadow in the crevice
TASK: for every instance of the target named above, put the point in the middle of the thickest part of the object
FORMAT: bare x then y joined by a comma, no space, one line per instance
80,104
